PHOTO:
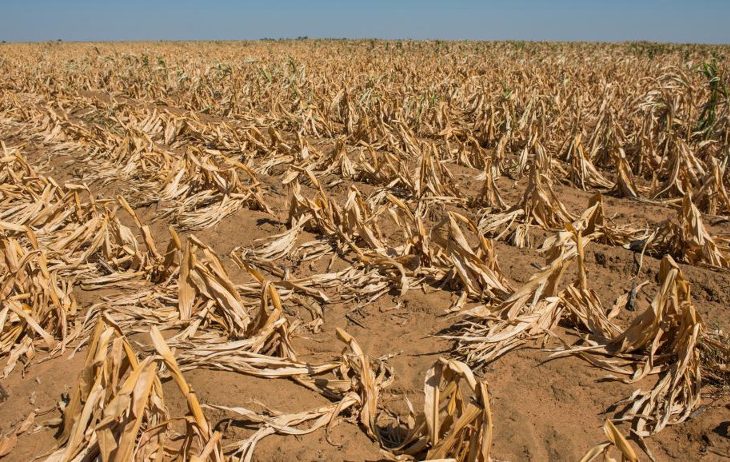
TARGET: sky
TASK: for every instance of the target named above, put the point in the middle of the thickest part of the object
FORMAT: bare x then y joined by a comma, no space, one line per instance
699,21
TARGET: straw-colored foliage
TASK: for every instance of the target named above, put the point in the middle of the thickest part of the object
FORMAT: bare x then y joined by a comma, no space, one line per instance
347,173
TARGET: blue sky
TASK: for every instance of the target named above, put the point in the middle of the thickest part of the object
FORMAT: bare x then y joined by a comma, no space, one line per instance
705,21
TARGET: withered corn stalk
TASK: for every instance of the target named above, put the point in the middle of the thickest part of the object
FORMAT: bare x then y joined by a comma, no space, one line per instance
539,206
532,311
662,340
204,188
688,239
354,387
454,425
37,308
117,409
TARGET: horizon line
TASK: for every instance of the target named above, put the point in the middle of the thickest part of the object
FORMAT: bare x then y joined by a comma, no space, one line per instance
378,39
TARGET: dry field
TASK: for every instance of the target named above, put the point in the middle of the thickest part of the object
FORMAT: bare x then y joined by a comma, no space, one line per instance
338,250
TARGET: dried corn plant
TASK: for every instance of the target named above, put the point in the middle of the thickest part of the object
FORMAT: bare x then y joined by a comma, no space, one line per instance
454,425
534,310
476,269
712,197
117,409
38,308
204,188
489,331
432,178
191,288
539,206
593,221
489,196
625,183
583,173
354,387
688,239
662,340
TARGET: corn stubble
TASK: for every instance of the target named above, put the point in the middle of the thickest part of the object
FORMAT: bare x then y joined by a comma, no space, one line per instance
218,137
